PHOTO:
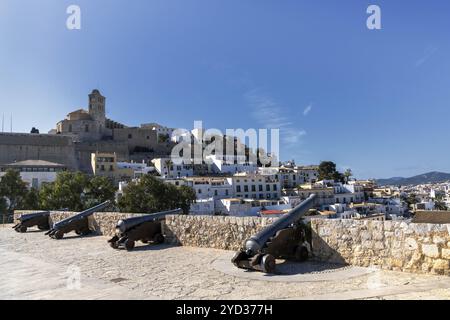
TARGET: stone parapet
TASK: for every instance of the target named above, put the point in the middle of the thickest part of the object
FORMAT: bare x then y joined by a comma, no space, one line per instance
219,232
399,246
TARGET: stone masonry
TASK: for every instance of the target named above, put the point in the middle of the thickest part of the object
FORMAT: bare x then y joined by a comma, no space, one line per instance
218,232
398,246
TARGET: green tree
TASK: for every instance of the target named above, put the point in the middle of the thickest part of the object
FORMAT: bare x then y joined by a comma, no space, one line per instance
3,207
327,171
347,174
98,189
31,200
440,205
68,191
150,194
410,199
75,191
12,189
187,197
163,138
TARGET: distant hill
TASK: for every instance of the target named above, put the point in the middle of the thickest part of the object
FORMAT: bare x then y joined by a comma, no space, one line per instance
430,177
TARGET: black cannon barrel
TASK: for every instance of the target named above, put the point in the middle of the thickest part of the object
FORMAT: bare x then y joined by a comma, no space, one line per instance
29,216
257,242
126,224
82,215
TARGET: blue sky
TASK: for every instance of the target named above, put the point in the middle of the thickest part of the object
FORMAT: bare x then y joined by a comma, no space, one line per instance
377,101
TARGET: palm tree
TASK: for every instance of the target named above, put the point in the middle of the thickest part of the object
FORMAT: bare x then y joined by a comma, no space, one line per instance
347,174
439,205
168,164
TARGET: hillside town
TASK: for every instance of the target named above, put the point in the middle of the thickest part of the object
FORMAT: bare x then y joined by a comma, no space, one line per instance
101,147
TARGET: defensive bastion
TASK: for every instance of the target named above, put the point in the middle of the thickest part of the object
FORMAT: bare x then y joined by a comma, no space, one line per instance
398,246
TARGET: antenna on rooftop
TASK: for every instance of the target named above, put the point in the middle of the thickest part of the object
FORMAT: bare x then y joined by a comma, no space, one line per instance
3,122
11,123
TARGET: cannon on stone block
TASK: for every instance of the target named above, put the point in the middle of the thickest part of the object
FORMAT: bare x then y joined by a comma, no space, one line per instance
78,223
39,219
145,228
284,239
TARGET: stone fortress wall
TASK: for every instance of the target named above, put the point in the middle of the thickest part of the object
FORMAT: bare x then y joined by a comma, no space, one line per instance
218,232
399,246
81,133
23,146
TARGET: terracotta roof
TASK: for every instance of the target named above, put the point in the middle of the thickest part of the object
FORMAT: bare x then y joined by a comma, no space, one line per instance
434,217
272,211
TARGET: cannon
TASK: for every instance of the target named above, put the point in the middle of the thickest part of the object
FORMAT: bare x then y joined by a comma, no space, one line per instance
145,228
284,239
39,219
78,223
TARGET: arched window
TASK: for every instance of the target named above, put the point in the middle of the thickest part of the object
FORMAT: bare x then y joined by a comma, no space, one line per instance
86,128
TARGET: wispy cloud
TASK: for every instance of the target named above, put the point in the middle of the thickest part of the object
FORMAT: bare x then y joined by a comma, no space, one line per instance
429,52
270,115
307,110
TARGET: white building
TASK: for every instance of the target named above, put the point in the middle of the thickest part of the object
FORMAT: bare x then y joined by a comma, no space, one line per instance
210,187
203,207
424,205
230,164
293,176
34,172
167,169
233,207
309,174
139,169
348,193
255,186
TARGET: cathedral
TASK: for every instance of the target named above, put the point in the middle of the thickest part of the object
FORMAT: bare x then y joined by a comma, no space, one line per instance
82,133
90,125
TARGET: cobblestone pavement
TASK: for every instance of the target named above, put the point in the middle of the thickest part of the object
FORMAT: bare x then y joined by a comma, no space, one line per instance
37,267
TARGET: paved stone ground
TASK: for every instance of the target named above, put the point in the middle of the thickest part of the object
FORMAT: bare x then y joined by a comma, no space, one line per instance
34,266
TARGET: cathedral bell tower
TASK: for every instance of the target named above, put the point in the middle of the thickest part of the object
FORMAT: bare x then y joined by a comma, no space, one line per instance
97,107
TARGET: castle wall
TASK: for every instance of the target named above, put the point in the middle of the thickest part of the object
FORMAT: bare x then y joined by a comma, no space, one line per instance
81,134
81,130
23,146
392,245
136,137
